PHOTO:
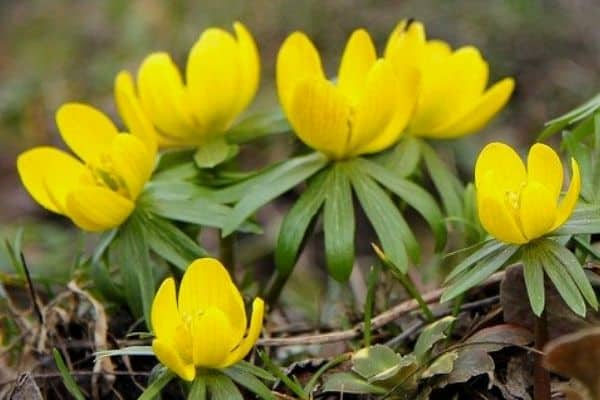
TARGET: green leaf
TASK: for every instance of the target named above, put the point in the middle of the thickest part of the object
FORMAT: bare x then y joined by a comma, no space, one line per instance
170,243
584,220
293,385
575,270
105,239
391,228
215,152
258,125
571,117
431,334
533,272
377,363
296,224
446,183
482,270
402,159
221,387
105,283
68,380
347,382
488,247
125,351
129,251
339,225
250,382
254,370
441,365
153,390
582,155
196,210
181,172
289,174
412,194
565,285
198,389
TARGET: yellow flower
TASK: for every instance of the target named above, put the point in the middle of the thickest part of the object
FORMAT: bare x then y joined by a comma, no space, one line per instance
98,192
453,100
365,111
205,325
222,75
517,205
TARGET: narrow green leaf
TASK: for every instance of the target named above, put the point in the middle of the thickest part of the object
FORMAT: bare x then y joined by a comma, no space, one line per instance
412,194
125,351
289,174
402,159
221,387
296,224
391,228
448,186
129,251
276,370
571,117
250,382
254,370
68,380
153,390
480,272
258,125
580,152
575,270
198,389
533,272
105,283
339,225
372,280
587,247
170,243
105,239
487,248
564,284
584,220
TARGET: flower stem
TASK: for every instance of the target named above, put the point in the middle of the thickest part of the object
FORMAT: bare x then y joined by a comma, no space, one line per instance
411,289
541,376
227,253
275,286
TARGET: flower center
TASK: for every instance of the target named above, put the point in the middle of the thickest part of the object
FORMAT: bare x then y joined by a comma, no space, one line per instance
104,174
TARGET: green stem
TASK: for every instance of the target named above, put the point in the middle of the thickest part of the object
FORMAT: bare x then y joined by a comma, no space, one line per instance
410,287
541,376
275,286
227,253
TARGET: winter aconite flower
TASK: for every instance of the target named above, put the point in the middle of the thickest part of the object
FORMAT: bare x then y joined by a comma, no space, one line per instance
206,325
364,111
453,100
221,79
517,205
97,190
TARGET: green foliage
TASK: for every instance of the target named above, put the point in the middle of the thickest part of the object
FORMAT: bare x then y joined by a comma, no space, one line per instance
68,380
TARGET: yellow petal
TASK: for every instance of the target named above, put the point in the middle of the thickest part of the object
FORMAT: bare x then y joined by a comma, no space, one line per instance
566,206
169,357
320,116
297,60
376,107
537,210
164,315
256,323
406,45
213,339
249,67
94,208
87,131
49,175
214,79
461,77
206,283
544,166
492,101
162,95
358,59
436,51
497,219
132,162
408,85
509,170
131,111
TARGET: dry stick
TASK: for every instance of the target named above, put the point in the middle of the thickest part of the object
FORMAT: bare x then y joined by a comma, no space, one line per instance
541,376
377,322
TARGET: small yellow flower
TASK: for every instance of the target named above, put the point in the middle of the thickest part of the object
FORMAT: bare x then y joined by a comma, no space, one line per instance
205,325
517,205
453,100
97,191
222,75
364,111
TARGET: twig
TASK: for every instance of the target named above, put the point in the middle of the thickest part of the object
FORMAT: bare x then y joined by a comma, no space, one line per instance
377,322
32,293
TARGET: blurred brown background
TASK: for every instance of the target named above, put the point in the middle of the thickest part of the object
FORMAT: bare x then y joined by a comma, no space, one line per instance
57,51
